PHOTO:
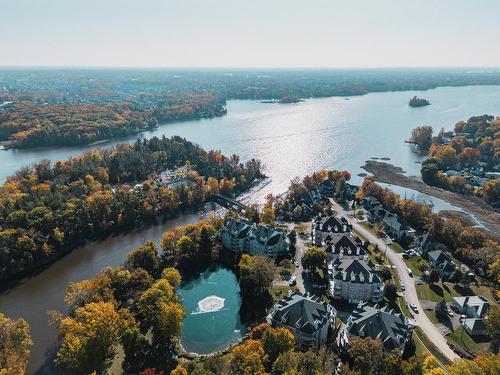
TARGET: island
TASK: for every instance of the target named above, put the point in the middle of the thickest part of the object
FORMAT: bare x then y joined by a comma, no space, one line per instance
418,102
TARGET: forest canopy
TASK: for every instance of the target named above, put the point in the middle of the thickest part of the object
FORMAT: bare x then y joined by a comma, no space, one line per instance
50,208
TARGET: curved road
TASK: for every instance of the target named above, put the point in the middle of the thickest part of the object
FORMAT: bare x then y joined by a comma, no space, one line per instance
410,295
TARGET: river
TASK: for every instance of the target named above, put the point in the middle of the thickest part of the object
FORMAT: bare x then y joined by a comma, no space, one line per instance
291,140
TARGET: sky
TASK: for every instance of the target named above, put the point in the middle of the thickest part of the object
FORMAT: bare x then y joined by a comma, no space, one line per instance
250,33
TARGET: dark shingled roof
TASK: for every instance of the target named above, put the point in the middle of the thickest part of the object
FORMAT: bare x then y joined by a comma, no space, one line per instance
303,312
391,328
355,271
337,243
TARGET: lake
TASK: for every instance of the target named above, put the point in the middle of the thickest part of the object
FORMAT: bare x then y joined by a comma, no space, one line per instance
212,303
291,140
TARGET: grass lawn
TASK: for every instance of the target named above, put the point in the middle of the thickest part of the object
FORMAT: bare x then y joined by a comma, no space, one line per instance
436,292
412,264
446,290
278,292
396,247
423,344
476,345
431,314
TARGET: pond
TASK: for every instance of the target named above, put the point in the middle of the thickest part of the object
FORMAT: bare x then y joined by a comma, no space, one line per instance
212,303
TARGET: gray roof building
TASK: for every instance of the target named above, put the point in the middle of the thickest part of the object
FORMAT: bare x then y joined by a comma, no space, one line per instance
393,329
305,316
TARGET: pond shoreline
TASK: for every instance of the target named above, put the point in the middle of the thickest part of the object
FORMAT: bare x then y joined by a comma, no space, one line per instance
390,174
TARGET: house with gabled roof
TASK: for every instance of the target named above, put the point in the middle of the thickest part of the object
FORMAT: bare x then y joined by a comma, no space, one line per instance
370,202
354,279
397,228
324,225
423,244
345,244
471,306
394,330
242,236
442,263
377,213
306,317
474,308
350,191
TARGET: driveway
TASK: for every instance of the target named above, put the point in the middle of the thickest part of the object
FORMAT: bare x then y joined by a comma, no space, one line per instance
410,294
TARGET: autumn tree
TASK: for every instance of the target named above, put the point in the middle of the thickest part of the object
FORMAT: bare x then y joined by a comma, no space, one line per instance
366,354
97,289
172,276
145,257
89,337
277,341
492,322
15,342
248,358
422,137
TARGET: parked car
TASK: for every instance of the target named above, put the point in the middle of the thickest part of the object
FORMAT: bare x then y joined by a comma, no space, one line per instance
296,264
450,313
403,288
414,308
292,281
406,256
409,272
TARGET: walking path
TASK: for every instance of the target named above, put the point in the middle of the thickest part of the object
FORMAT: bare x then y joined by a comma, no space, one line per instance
410,294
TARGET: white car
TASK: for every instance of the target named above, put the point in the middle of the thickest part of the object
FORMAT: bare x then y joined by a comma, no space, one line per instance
414,308
403,288
292,281
296,264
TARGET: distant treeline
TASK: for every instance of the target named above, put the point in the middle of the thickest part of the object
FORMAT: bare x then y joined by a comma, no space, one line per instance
71,107
49,208
29,124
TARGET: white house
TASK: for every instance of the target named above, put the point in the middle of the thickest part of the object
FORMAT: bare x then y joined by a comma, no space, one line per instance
474,308
354,280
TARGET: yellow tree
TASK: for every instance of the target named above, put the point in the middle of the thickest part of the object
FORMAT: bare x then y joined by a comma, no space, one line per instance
248,358
15,342
277,341
172,276
89,337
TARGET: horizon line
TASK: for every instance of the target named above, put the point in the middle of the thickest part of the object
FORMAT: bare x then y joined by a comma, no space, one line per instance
138,67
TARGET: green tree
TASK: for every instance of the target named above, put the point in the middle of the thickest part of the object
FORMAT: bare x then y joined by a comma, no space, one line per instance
492,321
313,258
309,363
277,341
145,257
390,291
256,274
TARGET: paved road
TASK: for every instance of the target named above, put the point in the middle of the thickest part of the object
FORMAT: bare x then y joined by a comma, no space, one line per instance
300,249
410,294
